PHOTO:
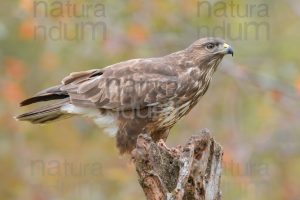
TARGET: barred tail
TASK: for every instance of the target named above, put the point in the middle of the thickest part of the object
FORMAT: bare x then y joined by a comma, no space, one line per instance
48,113
45,114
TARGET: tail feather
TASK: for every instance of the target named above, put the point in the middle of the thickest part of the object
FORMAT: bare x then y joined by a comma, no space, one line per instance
45,114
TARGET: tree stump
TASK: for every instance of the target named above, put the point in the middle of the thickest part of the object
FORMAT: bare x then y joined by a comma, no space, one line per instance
189,172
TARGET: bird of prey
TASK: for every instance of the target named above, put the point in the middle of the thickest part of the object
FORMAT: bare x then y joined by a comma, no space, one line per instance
147,95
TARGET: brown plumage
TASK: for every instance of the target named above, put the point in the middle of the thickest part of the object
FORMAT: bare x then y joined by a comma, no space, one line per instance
136,96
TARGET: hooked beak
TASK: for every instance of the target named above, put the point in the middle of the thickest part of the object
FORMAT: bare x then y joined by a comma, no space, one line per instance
228,49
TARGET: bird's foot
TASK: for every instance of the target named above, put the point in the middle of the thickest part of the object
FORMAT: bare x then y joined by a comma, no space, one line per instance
162,144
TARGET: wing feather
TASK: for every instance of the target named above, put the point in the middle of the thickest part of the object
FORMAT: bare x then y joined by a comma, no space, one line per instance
124,86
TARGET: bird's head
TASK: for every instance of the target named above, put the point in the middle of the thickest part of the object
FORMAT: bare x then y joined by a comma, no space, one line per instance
209,51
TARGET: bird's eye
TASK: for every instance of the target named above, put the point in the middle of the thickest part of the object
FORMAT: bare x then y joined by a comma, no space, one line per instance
210,46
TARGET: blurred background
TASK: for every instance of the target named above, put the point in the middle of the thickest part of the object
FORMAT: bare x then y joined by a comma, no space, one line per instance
251,108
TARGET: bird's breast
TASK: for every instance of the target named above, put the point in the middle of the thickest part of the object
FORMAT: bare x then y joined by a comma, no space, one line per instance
172,111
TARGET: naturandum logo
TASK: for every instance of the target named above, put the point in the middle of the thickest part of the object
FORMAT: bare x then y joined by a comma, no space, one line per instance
70,21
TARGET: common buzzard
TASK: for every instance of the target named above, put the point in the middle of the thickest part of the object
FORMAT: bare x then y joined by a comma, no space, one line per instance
147,95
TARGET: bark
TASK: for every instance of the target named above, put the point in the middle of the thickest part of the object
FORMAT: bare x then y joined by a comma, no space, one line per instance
188,172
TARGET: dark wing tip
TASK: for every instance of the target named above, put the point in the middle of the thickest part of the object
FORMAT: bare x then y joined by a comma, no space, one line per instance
27,101
47,97
31,100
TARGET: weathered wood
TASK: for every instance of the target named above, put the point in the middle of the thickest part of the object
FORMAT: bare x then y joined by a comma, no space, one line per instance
182,173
